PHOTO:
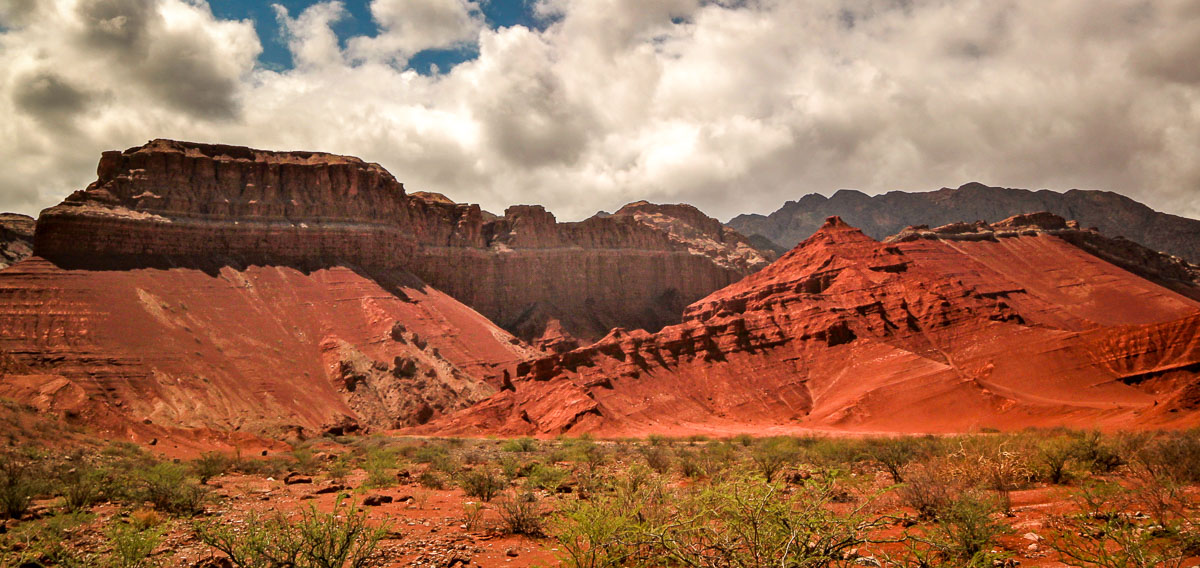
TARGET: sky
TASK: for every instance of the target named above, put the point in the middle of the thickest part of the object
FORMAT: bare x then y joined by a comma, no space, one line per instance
734,106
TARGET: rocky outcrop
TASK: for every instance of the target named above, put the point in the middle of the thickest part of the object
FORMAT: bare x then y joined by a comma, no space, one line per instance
1169,271
16,238
878,216
206,206
915,335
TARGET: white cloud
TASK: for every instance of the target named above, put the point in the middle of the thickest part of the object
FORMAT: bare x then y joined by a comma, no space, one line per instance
733,106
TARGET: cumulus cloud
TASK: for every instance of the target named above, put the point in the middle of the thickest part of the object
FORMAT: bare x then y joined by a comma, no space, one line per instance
734,106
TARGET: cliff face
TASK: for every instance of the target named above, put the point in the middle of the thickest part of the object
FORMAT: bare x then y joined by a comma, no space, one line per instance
16,238
935,331
886,214
182,204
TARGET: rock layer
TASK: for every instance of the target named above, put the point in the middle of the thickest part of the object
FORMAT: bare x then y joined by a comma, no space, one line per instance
16,238
925,334
183,204
887,214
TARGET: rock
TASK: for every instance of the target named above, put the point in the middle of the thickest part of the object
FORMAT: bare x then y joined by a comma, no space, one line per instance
867,561
295,478
512,553
331,488
883,215
927,327
191,202
376,500
16,238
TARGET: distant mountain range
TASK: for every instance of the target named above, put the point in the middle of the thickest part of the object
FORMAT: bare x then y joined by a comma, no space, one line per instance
887,214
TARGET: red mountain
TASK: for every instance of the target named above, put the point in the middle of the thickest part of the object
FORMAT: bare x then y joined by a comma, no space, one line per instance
952,329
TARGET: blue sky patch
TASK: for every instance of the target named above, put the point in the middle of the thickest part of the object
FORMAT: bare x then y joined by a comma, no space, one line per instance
357,22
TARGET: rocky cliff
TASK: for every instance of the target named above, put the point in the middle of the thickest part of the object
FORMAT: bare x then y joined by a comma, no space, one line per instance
886,214
1007,326
16,238
182,204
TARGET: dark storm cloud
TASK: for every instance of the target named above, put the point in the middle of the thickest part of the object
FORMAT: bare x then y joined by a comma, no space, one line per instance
49,99
178,68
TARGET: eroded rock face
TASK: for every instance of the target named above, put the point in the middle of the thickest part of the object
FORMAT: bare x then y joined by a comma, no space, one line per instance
16,238
182,204
266,350
887,214
916,335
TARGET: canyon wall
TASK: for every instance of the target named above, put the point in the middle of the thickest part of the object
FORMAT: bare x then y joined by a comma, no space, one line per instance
173,203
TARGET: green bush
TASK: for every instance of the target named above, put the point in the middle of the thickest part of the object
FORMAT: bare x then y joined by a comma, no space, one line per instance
210,465
338,539
380,466
894,454
82,486
21,479
520,445
168,488
547,477
965,531
772,455
430,479
131,547
522,514
658,457
482,483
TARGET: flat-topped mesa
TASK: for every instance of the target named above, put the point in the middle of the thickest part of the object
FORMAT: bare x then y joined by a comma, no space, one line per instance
203,202
171,203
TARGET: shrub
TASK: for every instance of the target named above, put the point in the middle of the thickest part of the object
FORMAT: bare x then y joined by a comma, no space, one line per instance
658,457
742,523
430,479
520,445
1097,454
483,483
81,486
894,454
1053,458
547,477
131,547
379,465
689,466
523,514
21,480
965,530
1174,456
772,455
929,488
337,539
210,465
168,488
596,534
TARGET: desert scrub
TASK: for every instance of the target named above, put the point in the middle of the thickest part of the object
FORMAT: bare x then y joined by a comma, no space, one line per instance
168,487
894,454
739,522
210,465
338,539
520,445
963,533
547,477
44,543
380,465
131,545
483,483
522,514
21,479
771,455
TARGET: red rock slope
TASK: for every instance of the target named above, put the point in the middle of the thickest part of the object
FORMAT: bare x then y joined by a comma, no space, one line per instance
273,351
183,204
1014,328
